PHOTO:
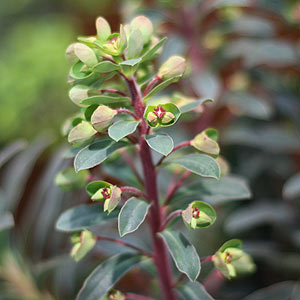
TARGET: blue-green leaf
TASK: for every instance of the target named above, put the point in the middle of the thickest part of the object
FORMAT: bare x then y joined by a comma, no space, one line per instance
106,275
130,62
122,128
183,253
161,86
160,142
84,216
151,52
132,215
193,291
200,164
94,154
193,104
104,99
105,66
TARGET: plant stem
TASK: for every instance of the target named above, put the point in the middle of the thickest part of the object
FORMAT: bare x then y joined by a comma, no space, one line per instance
113,91
179,146
119,242
176,186
127,111
134,191
206,259
161,258
155,80
170,217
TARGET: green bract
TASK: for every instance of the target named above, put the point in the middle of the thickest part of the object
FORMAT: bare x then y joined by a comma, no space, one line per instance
101,190
162,115
199,214
230,259
83,243
206,141
69,180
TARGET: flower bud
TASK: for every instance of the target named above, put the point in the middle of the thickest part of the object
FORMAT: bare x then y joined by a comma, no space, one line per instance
112,202
81,132
83,243
152,118
102,194
230,259
70,54
167,118
114,295
174,66
85,54
78,93
199,214
102,117
205,142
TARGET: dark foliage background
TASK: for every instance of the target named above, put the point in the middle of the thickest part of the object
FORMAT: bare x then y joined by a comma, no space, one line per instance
244,55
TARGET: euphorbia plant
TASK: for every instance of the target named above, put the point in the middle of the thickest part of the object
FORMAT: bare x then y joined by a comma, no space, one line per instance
114,84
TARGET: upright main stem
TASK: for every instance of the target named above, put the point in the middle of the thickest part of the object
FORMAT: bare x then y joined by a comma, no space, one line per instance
160,257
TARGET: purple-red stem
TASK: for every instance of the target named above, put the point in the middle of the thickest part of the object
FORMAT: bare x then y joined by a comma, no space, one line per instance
161,258
170,217
127,111
150,85
179,146
134,191
119,242
176,186
113,91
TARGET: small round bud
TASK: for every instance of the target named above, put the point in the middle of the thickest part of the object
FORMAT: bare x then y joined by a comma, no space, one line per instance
167,118
174,66
85,54
152,118
102,117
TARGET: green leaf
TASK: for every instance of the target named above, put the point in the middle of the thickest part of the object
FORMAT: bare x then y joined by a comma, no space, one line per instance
288,290
135,44
85,244
151,52
83,216
161,86
132,215
103,29
81,132
104,99
122,128
213,191
94,154
160,142
183,253
69,180
193,291
105,67
130,62
76,72
6,221
194,104
106,275
200,164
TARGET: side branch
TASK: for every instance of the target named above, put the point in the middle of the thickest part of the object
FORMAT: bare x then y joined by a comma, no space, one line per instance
125,244
171,216
134,191
176,186
179,146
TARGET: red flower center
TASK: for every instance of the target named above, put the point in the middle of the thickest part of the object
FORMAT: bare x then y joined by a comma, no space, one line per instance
159,112
196,213
105,193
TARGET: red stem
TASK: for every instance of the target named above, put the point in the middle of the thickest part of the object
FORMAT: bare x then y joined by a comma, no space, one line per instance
179,146
135,296
150,85
113,91
176,186
161,258
206,259
127,111
134,191
170,217
119,242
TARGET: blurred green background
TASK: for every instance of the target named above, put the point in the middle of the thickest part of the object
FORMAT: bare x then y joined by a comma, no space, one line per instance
244,54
